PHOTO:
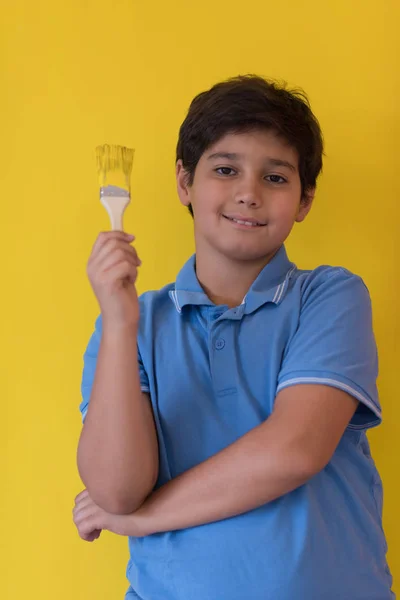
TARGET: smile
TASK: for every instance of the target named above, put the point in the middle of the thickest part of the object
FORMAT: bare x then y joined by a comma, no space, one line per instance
244,222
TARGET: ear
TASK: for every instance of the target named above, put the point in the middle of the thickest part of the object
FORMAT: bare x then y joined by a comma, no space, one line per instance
182,184
305,204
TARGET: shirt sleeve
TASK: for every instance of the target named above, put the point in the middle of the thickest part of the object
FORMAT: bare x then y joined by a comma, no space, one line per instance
89,369
334,343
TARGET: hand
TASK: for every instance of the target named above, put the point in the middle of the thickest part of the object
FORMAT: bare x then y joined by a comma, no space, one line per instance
90,520
112,270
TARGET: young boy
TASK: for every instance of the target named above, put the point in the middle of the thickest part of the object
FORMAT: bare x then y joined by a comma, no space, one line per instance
226,428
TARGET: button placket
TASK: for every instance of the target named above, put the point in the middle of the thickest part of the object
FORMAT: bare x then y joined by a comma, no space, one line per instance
222,358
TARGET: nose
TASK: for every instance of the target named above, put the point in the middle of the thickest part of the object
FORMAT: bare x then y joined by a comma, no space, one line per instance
249,193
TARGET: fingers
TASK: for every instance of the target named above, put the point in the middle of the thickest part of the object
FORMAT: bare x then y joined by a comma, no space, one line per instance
112,251
91,537
105,236
83,505
119,255
113,246
83,494
86,516
83,514
106,241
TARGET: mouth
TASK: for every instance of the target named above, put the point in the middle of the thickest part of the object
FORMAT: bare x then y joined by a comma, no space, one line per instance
247,223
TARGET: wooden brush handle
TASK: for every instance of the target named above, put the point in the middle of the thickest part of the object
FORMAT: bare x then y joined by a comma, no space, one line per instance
115,206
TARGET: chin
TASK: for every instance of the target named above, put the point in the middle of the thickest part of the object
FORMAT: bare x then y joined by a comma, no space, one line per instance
248,254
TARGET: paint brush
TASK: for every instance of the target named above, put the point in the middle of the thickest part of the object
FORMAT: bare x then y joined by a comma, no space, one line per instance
114,166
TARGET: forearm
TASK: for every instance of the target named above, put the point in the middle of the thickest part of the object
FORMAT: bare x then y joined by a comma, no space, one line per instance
117,453
244,476
295,443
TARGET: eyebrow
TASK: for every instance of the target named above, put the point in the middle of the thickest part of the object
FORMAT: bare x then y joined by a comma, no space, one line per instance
227,155
276,162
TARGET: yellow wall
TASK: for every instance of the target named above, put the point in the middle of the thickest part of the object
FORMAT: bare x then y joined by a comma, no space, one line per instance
78,73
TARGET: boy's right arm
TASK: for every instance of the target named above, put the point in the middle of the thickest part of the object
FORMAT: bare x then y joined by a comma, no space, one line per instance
117,452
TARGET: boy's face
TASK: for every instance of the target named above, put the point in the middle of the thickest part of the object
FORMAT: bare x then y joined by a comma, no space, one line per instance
246,195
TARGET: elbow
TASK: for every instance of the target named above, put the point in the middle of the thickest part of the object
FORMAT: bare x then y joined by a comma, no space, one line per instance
118,497
110,488
119,502
128,501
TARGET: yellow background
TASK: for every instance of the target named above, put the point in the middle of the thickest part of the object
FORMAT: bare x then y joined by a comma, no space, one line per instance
80,73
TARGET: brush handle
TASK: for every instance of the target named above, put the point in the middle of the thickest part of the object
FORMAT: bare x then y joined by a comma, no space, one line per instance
115,206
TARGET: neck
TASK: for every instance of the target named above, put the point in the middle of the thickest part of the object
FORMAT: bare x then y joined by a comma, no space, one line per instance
226,281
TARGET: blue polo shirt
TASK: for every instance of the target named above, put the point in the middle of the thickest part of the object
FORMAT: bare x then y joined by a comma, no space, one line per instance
212,374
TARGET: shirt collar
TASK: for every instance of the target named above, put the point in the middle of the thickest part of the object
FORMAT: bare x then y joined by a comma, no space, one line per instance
270,286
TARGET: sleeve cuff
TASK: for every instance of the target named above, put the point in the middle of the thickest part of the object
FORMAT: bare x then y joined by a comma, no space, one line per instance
363,418
84,413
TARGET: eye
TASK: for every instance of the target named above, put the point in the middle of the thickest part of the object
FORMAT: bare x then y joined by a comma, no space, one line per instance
225,171
275,179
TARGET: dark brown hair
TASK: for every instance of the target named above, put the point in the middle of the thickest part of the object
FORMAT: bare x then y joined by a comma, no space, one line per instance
247,103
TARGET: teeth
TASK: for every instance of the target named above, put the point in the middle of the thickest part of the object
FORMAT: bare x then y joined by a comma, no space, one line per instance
248,223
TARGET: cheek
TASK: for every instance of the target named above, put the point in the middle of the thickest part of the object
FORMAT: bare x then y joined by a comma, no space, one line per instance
207,202
284,212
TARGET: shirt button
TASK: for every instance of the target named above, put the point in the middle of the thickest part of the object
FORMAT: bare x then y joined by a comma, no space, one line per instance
219,344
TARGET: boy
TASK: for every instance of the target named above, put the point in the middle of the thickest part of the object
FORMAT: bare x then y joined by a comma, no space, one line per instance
226,429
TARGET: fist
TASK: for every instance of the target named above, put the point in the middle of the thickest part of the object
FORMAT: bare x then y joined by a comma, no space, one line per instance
90,520
112,270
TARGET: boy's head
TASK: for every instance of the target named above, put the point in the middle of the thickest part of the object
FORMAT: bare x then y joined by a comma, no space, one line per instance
230,156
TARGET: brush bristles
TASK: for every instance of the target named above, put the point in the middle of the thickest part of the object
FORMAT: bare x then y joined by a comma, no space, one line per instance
112,163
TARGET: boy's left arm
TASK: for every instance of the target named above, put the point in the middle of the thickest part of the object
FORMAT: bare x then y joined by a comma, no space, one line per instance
281,454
